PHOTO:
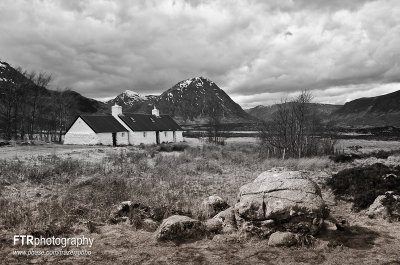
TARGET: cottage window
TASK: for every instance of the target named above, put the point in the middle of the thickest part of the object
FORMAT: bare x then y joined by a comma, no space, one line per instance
144,134
152,120
122,134
165,134
133,119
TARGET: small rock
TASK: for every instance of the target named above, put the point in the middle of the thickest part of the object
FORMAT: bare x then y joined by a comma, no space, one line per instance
228,220
122,210
385,206
212,206
279,239
180,228
213,226
134,211
149,225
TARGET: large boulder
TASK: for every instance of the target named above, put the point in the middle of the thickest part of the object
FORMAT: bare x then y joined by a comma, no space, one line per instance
385,206
212,206
180,228
281,200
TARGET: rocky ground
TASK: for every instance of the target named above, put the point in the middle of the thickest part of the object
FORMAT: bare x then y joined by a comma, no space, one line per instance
135,237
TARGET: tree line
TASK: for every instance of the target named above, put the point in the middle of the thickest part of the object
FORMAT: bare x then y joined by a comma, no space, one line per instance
29,110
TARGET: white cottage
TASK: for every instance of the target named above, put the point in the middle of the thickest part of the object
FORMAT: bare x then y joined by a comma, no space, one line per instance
123,128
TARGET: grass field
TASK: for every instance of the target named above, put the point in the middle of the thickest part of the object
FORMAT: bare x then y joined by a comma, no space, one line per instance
57,190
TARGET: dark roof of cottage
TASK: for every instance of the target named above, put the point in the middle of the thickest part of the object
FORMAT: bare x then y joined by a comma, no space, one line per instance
102,124
146,122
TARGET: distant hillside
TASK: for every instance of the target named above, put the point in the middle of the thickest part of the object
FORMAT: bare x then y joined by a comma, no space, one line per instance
10,76
29,109
189,101
370,112
323,111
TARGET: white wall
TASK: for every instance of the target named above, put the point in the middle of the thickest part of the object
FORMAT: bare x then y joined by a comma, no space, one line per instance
166,137
179,136
80,126
136,138
122,138
81,133
81,138
105,138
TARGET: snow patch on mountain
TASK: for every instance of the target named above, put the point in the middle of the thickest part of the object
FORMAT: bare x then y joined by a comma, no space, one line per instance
185,83
132,94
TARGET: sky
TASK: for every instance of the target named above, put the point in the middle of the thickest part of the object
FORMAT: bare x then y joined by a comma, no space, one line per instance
258,51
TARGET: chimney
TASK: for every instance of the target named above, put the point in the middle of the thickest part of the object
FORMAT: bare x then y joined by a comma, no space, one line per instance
155,112
116,110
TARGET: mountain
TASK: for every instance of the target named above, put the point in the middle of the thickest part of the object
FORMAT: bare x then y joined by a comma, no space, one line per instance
323,111
130,101
382,110
192,100
195,100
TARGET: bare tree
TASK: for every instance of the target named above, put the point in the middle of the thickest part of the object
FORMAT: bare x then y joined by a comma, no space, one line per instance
215,125
39,82
294,130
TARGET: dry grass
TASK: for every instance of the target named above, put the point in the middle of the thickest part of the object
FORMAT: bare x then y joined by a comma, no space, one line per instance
54,195
77,191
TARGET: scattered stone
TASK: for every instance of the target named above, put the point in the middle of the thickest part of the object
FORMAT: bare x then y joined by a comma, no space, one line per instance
280,200
212,206
258,228
385,206
149,225
134,211
180,228
121,211
228,220
213,226
279,239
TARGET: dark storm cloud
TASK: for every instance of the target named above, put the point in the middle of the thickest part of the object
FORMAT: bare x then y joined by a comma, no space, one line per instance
256,50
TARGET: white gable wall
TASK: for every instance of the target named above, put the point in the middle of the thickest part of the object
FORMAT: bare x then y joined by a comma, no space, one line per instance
81,133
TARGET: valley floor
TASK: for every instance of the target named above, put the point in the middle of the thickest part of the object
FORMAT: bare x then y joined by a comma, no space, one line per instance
35,196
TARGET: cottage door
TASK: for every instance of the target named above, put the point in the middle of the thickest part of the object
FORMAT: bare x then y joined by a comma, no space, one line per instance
157,137
114,138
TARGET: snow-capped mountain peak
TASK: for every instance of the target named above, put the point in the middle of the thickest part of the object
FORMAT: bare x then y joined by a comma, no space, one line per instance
197,81
130,93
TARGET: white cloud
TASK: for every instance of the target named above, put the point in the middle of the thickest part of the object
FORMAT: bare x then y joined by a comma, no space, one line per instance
249,48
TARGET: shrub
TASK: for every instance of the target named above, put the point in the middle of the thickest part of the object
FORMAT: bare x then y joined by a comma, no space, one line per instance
180,147
364,184
165,148
344,158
